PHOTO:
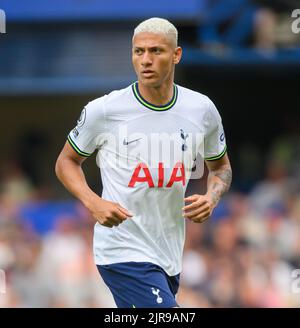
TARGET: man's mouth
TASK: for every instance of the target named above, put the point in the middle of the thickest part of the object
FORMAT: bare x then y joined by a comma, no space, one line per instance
147,73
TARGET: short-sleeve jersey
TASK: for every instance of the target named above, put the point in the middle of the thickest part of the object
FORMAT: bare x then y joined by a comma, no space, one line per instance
146,155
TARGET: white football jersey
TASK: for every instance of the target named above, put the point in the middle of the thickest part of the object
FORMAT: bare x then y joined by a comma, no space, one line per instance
146,155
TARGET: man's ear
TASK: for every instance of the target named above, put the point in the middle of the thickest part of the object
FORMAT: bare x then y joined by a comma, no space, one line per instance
177,55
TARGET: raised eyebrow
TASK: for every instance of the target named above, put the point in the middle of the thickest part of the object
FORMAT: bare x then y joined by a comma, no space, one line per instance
156,47
150,48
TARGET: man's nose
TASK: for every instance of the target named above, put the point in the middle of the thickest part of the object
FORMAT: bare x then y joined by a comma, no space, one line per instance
146,60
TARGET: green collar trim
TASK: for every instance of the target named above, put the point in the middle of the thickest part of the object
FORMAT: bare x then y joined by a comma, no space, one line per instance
145,103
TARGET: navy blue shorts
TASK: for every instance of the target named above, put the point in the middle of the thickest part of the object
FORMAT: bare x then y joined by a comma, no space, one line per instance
140,285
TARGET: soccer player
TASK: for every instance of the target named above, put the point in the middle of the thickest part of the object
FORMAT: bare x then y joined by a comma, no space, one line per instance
147,137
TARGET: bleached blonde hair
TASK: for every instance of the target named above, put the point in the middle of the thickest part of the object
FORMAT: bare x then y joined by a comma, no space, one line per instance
158,25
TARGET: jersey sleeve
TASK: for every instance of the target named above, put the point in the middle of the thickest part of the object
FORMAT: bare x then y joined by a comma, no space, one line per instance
85,138
214,141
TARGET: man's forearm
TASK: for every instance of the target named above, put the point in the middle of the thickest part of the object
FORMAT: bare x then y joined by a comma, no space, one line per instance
72,177
219,182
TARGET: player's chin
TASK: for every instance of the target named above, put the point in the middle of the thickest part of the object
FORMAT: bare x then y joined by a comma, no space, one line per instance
149,82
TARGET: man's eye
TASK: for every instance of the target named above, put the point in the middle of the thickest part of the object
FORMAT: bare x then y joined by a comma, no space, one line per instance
138,51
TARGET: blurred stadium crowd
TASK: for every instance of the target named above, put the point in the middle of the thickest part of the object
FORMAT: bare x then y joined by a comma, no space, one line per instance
260,24
242,257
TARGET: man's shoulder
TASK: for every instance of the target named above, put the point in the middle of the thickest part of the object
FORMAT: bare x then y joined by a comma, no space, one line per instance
190,94
97,105
114,95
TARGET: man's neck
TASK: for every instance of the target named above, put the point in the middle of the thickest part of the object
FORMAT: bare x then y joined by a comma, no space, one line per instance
157,95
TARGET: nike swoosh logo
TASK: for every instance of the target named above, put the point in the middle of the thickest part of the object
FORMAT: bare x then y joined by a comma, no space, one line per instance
126,143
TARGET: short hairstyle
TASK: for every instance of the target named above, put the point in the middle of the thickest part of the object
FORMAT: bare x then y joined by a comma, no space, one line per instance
158,25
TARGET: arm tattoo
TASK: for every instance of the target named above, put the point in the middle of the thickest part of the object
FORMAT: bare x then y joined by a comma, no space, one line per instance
226,176
220,187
